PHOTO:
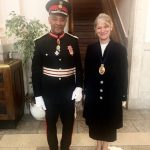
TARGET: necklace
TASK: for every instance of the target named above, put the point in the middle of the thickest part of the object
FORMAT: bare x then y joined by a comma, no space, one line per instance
57,37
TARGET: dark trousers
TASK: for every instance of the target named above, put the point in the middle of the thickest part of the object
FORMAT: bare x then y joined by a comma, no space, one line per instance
66,113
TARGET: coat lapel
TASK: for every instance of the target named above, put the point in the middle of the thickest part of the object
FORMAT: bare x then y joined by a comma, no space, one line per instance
107,50
98,49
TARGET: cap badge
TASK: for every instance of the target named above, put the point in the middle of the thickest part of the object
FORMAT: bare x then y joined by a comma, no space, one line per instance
60,5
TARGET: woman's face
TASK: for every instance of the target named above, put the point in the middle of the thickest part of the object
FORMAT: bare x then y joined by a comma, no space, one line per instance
103,30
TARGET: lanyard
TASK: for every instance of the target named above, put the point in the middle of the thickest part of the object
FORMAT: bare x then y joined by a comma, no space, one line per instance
103,59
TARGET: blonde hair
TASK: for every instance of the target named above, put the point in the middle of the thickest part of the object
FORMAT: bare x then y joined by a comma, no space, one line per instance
106,18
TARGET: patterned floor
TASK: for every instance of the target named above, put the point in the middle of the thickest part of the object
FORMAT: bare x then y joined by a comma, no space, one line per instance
30,134
131,147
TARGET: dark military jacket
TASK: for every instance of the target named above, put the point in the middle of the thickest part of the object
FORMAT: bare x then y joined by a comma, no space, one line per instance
105,93
49,82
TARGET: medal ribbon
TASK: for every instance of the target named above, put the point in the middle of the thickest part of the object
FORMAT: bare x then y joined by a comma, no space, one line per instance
57,37
103,60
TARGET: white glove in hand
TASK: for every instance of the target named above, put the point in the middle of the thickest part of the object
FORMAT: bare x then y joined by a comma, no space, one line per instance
40,102
77,94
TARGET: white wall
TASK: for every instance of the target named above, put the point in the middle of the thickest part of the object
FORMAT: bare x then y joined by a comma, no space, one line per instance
6,6
147,17
34,9
139,86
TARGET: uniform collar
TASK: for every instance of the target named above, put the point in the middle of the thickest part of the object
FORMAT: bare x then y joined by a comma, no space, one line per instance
56,36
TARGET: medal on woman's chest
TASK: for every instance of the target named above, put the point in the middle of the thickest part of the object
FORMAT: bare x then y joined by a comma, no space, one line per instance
102,69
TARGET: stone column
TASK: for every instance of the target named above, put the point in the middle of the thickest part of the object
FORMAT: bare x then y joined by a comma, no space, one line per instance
139,85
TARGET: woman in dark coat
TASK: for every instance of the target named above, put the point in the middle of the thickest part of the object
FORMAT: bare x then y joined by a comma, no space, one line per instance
105,84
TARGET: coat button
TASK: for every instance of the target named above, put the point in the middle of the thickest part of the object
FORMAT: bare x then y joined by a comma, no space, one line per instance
100,97
60,59
59,78
101,82
101,90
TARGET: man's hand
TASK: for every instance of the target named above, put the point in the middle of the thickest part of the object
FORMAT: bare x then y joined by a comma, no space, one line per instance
77,94
40,102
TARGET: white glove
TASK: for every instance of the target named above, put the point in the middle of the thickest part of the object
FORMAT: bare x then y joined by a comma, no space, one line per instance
77,94
40,102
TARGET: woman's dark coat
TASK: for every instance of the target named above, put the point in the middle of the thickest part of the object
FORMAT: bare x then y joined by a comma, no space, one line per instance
104,93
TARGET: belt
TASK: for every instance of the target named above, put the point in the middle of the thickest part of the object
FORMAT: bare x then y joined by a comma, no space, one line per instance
59,72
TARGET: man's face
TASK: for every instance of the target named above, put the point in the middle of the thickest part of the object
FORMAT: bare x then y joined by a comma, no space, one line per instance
57,23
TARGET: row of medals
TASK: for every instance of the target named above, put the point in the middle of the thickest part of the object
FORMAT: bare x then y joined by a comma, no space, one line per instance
57,47
101,68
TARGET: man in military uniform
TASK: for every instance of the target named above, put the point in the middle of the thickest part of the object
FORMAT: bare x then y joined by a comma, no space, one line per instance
57,75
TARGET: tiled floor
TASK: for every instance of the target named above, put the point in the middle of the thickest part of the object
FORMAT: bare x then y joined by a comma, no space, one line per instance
30,134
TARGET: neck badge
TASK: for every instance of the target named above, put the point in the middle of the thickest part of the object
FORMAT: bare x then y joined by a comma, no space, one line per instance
102,69
57,47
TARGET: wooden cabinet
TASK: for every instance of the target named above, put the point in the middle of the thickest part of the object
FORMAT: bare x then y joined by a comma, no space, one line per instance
11,93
